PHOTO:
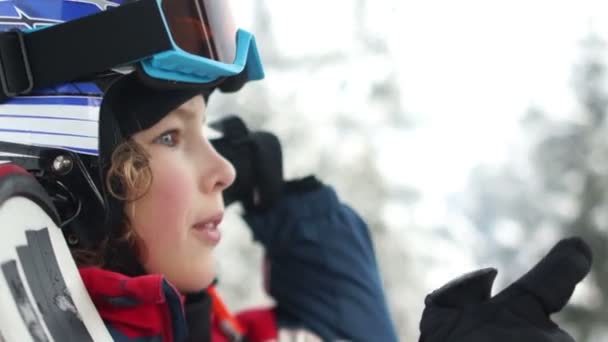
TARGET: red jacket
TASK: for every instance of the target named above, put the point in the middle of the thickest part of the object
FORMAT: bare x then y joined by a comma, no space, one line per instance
149,308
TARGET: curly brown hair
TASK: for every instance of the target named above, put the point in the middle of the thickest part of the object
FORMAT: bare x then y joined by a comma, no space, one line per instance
128,179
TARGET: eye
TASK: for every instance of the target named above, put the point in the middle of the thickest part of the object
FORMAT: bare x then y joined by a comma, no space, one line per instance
169,138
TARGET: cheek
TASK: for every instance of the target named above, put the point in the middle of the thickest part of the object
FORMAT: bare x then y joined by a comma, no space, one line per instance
171,188
165,209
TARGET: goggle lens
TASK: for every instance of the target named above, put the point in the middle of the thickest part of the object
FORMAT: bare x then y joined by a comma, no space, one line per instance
203,27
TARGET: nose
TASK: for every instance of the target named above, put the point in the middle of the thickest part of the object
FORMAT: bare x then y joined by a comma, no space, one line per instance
215,172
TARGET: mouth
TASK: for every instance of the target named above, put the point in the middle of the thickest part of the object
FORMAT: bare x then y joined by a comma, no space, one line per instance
208,229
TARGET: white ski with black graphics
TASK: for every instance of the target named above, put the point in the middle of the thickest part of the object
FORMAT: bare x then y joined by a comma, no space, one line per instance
42,297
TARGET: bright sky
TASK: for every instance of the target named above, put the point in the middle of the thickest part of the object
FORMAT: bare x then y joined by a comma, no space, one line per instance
469,70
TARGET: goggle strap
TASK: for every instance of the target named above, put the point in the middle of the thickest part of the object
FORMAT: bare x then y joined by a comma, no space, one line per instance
81,48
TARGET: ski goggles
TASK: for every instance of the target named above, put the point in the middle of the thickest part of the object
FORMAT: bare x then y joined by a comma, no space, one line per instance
173,43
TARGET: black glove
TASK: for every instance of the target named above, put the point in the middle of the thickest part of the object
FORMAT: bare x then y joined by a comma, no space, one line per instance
463,310
258,160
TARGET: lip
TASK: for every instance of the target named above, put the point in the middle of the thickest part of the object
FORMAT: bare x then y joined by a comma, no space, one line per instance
208,228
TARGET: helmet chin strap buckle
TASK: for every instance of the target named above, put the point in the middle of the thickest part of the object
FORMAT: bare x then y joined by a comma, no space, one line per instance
69,184
11,59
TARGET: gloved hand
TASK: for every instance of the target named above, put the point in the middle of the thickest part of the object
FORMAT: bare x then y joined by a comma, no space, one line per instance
258,160
464,310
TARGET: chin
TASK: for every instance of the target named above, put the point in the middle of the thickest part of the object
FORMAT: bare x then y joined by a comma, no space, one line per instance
197,281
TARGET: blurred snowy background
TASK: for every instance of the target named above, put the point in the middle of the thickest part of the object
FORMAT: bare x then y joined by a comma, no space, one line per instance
467,133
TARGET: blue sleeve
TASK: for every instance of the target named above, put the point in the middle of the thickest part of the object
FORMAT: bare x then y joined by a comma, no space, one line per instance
324,274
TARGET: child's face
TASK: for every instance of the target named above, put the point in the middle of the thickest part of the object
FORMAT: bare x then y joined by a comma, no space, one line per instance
177,217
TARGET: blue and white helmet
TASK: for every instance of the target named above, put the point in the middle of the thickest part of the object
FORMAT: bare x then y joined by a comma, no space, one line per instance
63,117
33,14
53,132
54,135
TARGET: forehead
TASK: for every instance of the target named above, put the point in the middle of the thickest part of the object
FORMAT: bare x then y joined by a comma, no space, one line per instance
194,110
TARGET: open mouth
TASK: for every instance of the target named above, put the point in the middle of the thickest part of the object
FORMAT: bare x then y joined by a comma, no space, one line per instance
209,229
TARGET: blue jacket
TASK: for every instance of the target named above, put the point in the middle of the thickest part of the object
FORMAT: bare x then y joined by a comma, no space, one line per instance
323,270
